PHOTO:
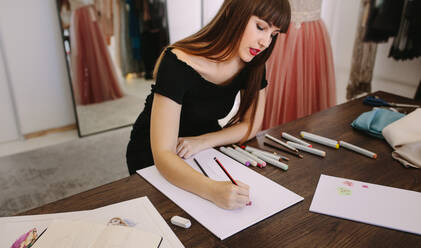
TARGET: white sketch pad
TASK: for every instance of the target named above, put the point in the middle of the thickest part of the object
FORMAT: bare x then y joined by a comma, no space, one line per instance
139,210
368,203
267,196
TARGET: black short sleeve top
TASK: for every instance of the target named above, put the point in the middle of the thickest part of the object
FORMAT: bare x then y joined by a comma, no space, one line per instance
203,102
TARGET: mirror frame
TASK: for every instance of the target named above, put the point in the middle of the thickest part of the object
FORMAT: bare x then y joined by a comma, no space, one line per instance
70,76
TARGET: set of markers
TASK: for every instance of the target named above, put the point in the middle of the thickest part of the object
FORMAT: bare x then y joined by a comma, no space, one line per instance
248,155
296,144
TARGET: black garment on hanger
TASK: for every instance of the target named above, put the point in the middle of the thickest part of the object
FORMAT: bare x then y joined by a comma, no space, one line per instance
407,44
383,20
154,29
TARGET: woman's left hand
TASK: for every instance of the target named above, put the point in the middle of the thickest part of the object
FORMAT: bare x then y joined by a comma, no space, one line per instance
188,146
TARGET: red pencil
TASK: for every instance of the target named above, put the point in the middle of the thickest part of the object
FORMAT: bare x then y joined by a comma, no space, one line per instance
226,172
228,175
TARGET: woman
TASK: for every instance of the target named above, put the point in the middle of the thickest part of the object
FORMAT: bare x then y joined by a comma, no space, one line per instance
197,80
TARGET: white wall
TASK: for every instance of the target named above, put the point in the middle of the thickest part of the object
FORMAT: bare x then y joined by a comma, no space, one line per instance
210,8
184,18
8,126
35,57
389,75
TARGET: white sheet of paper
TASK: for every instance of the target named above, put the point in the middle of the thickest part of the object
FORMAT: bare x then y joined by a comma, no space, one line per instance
267,196
139,213
368,203
68,233
82,234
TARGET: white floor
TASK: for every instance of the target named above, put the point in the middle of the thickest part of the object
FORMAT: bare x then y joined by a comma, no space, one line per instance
19,146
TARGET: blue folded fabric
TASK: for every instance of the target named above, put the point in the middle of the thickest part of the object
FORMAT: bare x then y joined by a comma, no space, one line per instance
374,121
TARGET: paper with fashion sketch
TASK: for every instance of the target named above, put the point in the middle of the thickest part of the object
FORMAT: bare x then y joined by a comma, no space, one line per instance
368,203
20,231
267,196
137,213
83,234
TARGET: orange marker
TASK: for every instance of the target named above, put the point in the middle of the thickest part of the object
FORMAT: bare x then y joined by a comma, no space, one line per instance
358,149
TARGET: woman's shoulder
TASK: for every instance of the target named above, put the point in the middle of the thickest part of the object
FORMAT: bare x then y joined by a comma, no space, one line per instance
197,63
172,67
176,57
180,54
170,63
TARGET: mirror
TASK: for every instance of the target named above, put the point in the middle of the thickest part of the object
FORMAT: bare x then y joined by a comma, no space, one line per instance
111,47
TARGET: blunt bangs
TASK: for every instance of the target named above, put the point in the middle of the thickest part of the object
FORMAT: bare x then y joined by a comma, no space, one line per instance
275,12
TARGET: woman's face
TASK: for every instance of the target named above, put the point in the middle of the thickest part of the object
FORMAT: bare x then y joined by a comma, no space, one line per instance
256,38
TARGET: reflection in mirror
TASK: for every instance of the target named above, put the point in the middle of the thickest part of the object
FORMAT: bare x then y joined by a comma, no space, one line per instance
111,47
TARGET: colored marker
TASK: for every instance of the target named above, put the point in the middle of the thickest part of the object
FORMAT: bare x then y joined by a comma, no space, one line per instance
283,149
260,162
234,156
280,142
272,161
294,139
307,149
247,158
319,139
358,149
268,154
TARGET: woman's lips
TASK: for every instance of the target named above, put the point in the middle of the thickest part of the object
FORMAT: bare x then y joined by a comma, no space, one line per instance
254,51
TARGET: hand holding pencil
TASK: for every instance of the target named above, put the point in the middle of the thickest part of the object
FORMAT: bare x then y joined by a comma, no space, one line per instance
230,194
227,195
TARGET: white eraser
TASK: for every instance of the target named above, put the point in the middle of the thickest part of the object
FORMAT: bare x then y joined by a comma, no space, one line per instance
180,221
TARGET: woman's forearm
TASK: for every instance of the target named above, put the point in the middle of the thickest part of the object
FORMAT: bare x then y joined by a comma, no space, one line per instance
229,135
179,173
224,194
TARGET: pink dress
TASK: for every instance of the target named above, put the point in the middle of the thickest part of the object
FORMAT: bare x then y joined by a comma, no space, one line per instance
300,70
93,75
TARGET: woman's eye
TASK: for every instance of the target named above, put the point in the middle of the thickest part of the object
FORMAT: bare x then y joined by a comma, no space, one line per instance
259,27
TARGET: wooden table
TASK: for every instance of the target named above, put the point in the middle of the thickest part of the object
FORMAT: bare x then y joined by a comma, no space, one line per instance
295,226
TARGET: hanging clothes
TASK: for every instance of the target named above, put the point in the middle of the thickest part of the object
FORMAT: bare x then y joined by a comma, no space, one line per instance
134,27
128,63
382,20
104,9
93,75
154,32
300,70
407,43
395,18
141,31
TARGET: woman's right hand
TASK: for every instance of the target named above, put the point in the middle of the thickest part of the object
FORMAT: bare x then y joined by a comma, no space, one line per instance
227,195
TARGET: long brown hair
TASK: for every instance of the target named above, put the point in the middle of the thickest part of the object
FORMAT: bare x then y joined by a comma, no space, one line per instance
220,39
